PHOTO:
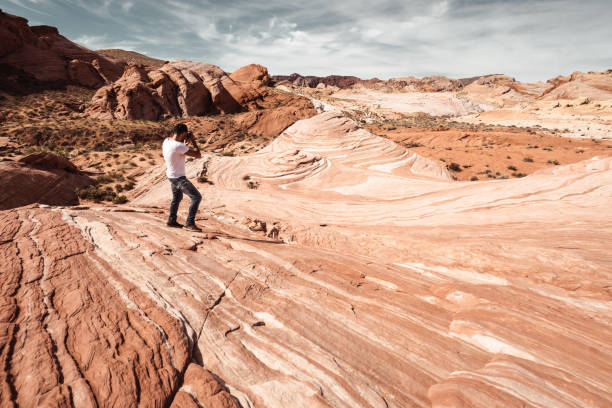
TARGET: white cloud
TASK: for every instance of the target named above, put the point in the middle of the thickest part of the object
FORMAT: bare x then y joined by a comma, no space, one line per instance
525,39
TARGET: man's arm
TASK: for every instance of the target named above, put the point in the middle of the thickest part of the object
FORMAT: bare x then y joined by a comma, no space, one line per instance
194,150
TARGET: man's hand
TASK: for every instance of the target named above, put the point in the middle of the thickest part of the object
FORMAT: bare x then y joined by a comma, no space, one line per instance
195,151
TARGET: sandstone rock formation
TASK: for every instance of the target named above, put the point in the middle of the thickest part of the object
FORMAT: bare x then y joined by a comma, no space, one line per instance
384,285
595,86
49,58
43,178
179,88
579,105
502,90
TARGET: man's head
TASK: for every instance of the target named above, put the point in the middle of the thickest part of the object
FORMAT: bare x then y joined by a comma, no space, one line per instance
180,132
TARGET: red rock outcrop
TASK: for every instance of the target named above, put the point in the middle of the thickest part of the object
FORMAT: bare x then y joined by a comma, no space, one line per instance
251,73
50,58
40,178
180,88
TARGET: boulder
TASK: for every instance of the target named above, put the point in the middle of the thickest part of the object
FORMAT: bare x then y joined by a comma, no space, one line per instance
251,73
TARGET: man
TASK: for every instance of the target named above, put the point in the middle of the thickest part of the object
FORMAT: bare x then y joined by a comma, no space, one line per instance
175,149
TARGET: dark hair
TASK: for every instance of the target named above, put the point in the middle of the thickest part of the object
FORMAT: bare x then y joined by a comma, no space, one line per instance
180,128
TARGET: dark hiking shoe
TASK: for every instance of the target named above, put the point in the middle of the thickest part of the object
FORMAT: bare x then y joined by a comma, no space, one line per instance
193,227
174,224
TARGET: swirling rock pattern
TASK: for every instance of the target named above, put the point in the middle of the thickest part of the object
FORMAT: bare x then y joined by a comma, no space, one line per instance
414,291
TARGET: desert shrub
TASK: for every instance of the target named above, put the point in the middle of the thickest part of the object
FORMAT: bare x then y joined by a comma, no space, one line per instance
454,167
100,147
228,153
513,168
109,178
96,194
120,199
473,178
528,160
129,185
518,175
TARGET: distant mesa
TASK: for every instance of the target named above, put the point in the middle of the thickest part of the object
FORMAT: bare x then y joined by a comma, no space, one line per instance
426,84
342,82
492,88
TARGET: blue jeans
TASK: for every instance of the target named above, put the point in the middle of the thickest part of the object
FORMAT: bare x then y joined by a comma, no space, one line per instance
179,186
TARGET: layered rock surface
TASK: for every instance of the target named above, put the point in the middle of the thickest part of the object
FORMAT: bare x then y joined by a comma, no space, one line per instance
42,57
351,273
43,178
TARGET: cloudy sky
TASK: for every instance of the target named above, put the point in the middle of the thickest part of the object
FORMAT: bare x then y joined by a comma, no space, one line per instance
528,39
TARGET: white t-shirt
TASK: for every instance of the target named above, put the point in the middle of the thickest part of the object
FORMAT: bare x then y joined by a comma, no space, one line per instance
174,155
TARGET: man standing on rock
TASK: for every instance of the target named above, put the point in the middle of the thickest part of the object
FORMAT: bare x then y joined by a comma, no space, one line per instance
175,149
